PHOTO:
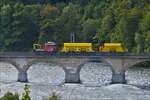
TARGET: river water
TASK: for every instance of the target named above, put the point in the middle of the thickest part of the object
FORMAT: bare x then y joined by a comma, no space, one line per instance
45,78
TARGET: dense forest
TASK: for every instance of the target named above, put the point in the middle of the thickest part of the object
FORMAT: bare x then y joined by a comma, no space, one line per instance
25,22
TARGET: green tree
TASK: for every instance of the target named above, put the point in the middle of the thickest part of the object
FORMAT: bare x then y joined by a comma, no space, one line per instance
147,42
6,25
116,37
145,23
107,24
25,95
139,39
26,26
90,28
128,25
144,28
48,25
70,22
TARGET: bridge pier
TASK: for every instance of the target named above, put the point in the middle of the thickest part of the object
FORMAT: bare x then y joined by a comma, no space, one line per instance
72,75
118,78
118,67
22,76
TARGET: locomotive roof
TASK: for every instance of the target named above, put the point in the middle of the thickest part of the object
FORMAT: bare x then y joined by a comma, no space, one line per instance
50,43
77,44
112,44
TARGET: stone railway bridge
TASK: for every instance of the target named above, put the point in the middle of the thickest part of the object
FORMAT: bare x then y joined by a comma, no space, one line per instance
72,64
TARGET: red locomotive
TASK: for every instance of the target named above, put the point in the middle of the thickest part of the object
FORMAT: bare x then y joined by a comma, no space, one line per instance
49,47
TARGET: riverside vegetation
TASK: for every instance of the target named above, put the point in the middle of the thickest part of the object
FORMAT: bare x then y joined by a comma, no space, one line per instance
38,21
26,95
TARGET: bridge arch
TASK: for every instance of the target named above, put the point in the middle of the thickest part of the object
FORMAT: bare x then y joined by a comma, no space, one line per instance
11,62
118,69
45,72
139,74
95,72
133,62
8,70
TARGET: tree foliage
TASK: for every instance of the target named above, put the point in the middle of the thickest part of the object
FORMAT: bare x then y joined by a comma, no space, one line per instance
26,94
38,21
10,96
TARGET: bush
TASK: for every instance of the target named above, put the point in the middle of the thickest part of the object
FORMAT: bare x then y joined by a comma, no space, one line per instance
26,95
10,96
54,96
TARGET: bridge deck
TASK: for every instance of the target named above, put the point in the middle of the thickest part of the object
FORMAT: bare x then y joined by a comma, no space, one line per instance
72,55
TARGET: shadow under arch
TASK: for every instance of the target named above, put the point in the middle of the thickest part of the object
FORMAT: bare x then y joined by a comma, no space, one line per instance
96,72
9,72
11,62
45,72
139,74
143,63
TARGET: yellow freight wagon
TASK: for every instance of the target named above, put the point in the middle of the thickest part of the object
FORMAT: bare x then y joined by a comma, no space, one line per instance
112,47
77,47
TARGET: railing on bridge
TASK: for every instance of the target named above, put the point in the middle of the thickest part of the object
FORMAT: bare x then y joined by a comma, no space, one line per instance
58,54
